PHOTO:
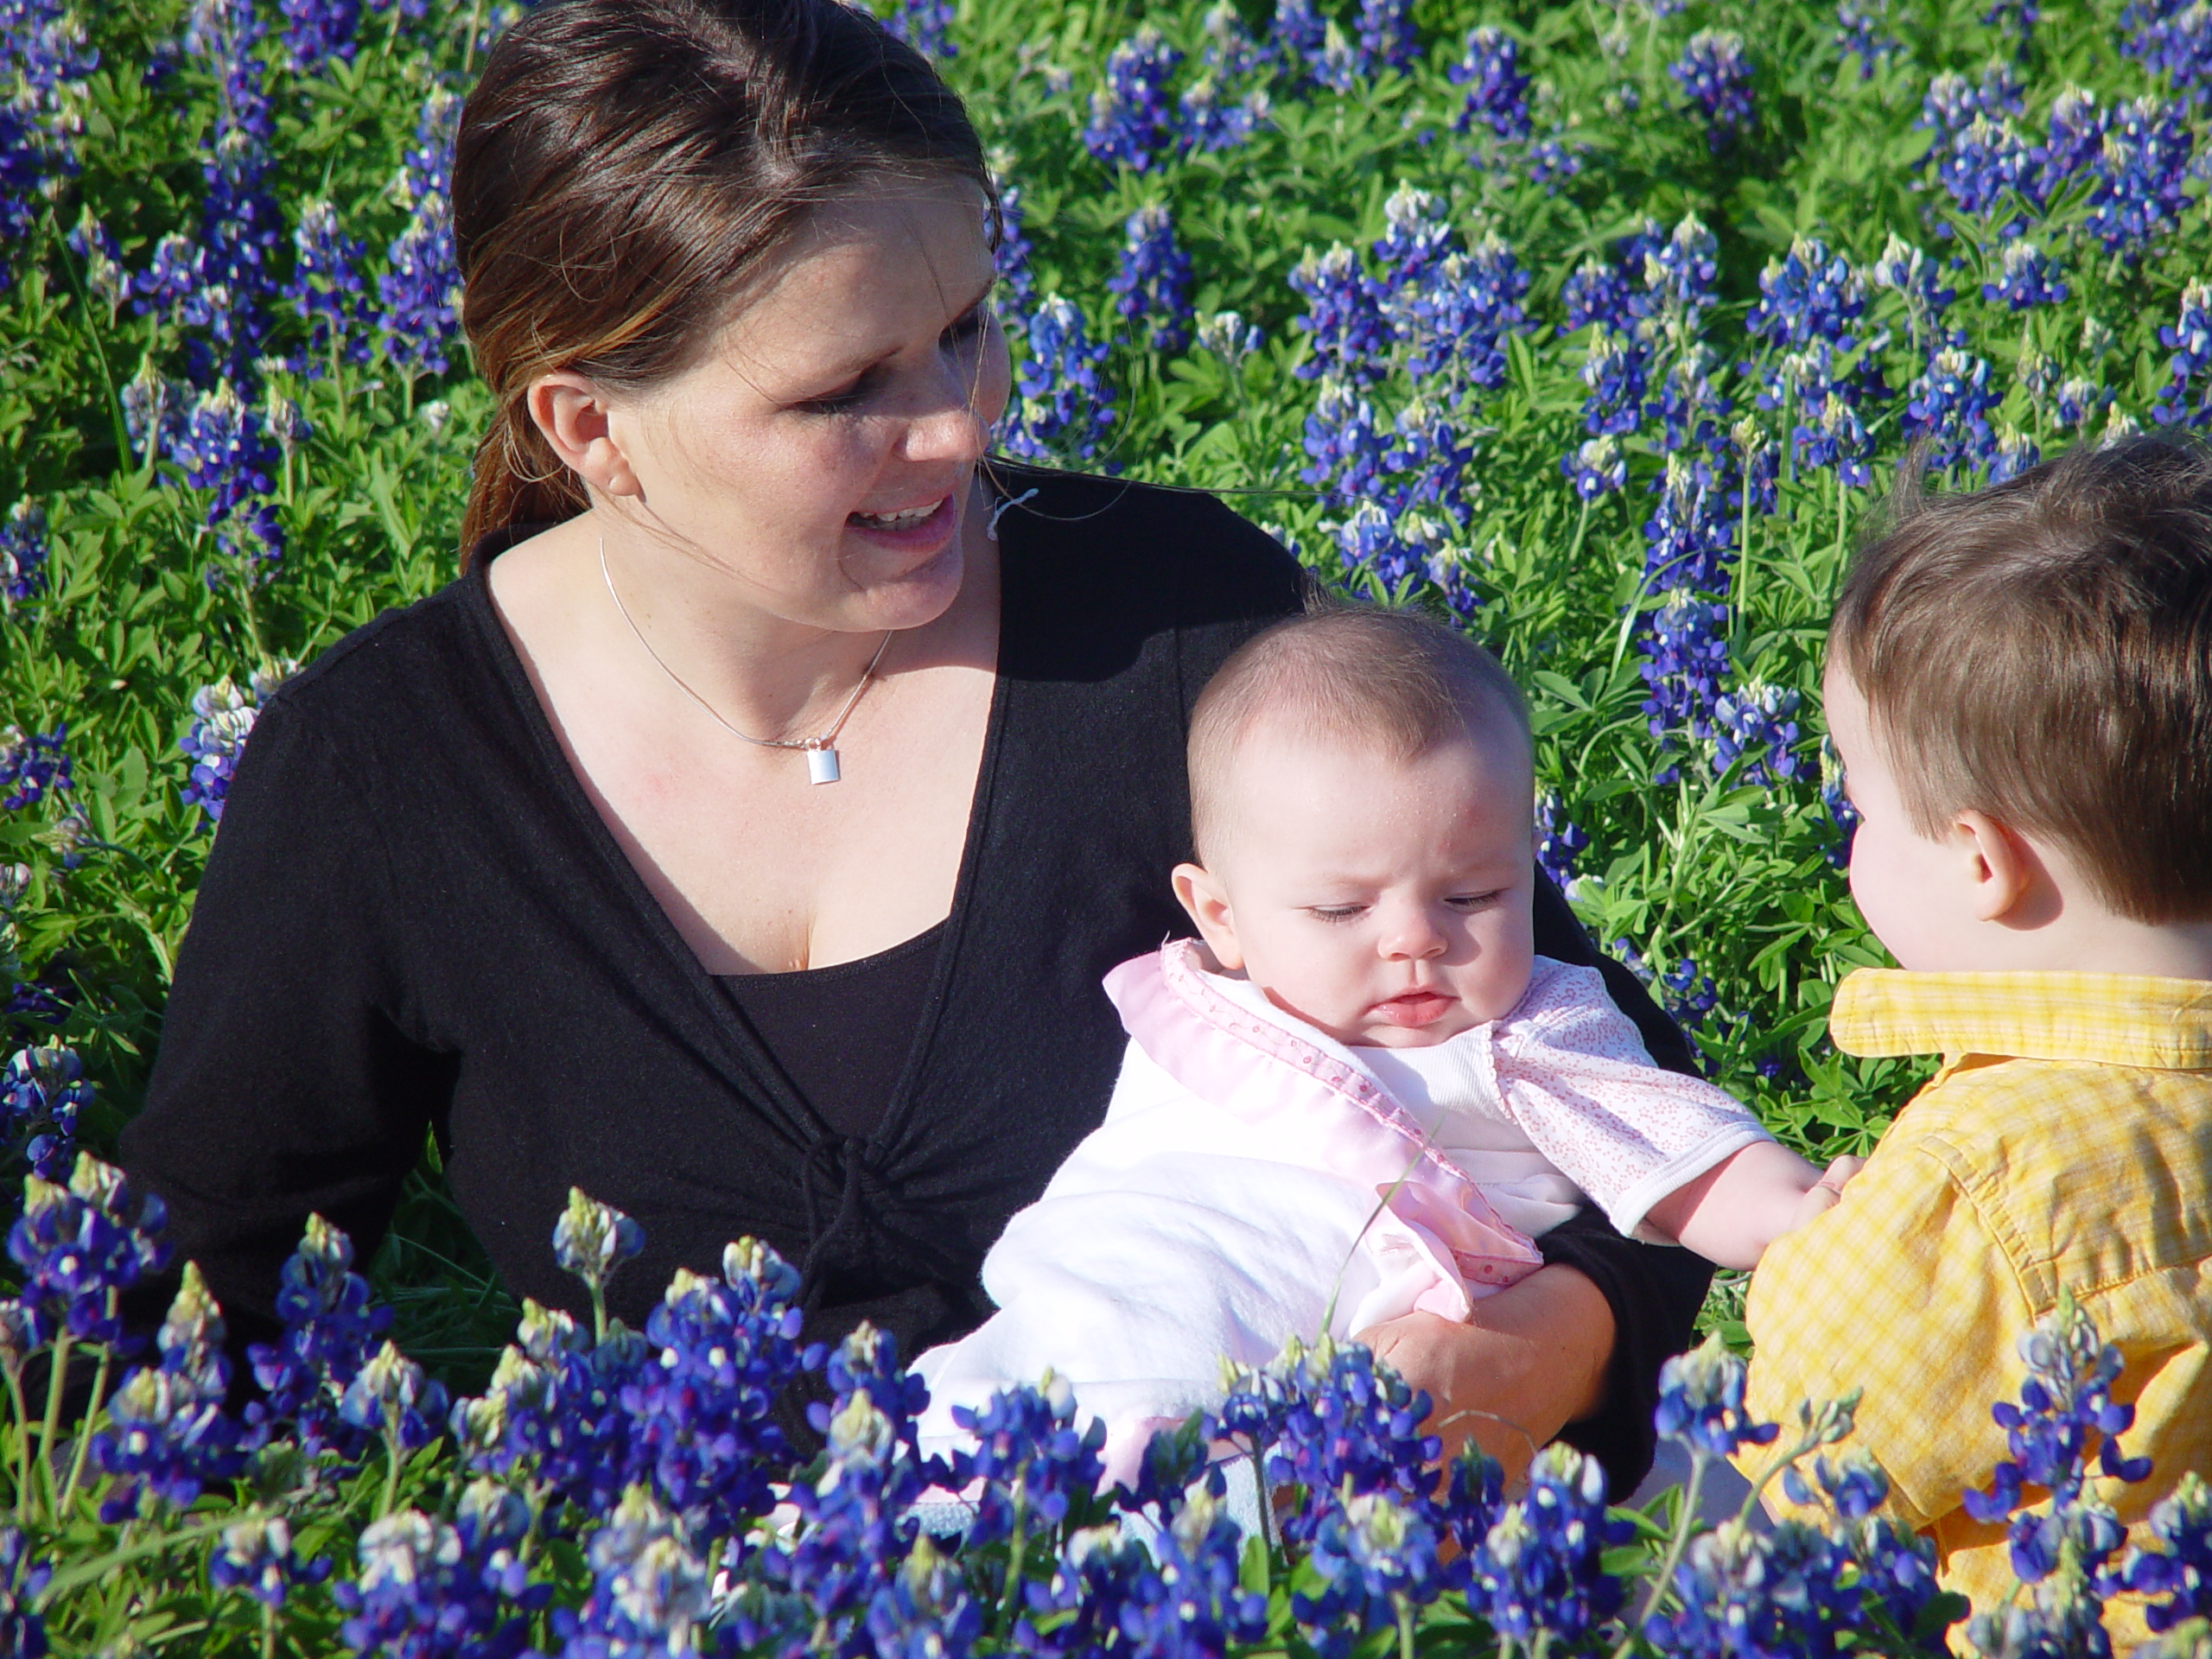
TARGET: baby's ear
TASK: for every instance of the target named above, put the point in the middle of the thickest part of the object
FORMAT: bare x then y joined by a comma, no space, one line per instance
1201,894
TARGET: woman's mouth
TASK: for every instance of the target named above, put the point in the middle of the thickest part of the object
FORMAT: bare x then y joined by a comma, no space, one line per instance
907,526
1414,1008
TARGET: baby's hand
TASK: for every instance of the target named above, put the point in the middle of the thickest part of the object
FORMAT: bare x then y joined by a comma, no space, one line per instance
1821,1196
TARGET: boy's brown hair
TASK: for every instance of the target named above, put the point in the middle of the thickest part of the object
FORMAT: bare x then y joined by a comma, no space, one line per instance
1393,679
2041,652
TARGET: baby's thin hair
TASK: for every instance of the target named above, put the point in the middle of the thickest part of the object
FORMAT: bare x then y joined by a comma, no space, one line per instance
1390,678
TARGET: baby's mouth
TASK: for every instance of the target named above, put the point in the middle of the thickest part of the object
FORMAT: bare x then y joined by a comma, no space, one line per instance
1414,1008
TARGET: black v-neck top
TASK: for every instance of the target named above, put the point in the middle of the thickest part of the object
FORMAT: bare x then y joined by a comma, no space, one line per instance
842,1034
413,921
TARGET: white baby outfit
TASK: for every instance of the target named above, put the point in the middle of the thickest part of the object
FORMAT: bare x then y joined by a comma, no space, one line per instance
1255,1180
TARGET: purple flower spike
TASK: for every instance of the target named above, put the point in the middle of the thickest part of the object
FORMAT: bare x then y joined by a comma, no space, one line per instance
1716,77
1153,282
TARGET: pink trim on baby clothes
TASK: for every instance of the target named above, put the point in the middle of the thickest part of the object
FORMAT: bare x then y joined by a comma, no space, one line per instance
1317,1110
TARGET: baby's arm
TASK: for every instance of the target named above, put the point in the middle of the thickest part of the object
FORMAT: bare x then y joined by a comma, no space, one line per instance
1730,1214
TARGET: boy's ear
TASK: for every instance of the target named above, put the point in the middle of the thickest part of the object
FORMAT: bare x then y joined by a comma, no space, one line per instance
2010,885
1200,894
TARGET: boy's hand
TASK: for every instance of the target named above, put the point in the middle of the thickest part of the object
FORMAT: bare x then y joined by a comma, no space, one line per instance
1821,1196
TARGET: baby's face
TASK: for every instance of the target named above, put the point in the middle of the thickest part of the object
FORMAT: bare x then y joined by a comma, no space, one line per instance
1385,901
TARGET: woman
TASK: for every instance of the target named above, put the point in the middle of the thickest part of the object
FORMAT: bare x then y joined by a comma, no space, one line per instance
744,836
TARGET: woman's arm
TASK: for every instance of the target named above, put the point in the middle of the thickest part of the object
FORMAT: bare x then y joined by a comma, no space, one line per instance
283,1085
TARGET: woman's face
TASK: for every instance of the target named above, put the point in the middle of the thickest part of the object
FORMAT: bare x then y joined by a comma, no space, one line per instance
821,455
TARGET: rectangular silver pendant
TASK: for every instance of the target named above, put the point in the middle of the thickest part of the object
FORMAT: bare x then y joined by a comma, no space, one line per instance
822,765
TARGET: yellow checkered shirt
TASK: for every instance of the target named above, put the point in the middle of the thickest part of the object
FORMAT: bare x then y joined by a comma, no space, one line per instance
2067,1143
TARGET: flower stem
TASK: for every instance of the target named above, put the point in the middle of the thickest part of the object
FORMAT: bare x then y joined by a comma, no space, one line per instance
50,1429
391,1456
85,1434
1685,1522
22,1444
85,1572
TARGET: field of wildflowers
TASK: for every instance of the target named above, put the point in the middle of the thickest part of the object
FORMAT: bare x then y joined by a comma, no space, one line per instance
1602,324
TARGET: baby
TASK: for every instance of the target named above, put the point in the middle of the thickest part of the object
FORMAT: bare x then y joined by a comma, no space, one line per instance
2019,684
1365,1094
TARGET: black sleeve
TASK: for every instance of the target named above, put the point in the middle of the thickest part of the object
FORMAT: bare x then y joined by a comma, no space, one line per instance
1654,1290
284,1085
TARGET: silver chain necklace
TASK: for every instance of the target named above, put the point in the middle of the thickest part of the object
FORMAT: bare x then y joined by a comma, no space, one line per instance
821,751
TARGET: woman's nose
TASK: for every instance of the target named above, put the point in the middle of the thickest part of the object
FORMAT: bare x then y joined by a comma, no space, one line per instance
947,426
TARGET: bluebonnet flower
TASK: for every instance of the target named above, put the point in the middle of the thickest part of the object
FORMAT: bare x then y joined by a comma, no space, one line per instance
1792,1591
1497,88
222,448
2178,1574
104,277
1916,279
23,1630
32,767
1011,257
330,1330
419,289
44,62
1455,322
1153,280
326,288
1834,797
1386,36
925,1612
82,1246
1455,585
2013,17
925,25
2140,169
1344,316
1300,30
1691,534
1984,164
1861,32
1376,1560
1615,373
1597,291
1756,724
168,1437
22,555
1130,123
1229,338
554,1408
432,1590
1430,461
239,222
2174,39
1062,409
1680,272
1596,468
2065,1410
1557,839
223,718
1685,647
1540,1567
2076,401
590,1241
153,413
2028,277
2074,136
2187,396
1689,409
318,30
1388,546
1331,1421
1415,240
41,1092
254,1555
1177,1596
1950,404
1231,55
1031,1458
1701,1403
2014,453
1716,77
1213,119
392,1396
1829,432
1809,294
1689,995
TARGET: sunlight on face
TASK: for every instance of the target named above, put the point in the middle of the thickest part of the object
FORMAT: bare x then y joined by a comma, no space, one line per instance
1386,901
822,454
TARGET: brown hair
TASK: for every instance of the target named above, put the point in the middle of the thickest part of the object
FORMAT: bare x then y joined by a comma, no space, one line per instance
1395,679
625,166
2041,652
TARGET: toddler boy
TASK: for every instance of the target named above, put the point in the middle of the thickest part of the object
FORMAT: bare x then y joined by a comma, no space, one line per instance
2020,685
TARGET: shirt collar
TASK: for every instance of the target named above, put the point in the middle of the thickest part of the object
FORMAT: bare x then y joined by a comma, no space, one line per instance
2106,1018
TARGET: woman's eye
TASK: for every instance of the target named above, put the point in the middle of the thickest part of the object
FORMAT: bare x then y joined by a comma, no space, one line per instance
837,402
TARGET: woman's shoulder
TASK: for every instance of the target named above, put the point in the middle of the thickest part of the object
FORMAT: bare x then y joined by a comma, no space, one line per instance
427,655
1183,551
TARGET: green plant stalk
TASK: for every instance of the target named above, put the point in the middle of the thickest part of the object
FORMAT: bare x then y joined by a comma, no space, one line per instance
267,1630
1405,1609
1742,605
86,1572
50,1427
1017,1545
85,1433
391,1456
1685,1521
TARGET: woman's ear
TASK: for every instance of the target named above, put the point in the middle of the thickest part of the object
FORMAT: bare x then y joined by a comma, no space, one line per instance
2008,880
1202,895
572,413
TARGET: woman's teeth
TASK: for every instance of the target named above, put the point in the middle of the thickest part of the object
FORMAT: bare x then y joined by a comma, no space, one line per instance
912,518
